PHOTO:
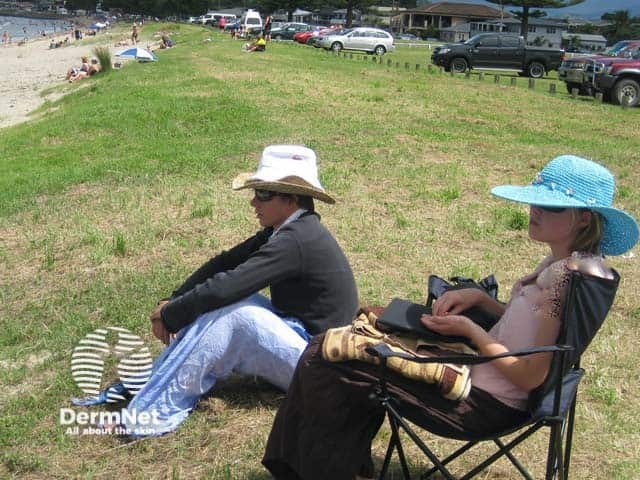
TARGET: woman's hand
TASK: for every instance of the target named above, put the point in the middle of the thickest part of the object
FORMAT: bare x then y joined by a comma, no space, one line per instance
457,325
453,302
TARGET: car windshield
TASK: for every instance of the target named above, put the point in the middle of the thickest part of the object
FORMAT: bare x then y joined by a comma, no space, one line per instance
342,32
473,40
616,48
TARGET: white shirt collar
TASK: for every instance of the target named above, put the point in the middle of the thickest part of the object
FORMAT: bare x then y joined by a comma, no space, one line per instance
294,216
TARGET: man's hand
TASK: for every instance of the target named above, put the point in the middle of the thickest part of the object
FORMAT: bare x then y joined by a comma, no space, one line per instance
157,327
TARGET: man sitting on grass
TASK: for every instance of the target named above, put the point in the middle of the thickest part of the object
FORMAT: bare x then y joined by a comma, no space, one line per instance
222,321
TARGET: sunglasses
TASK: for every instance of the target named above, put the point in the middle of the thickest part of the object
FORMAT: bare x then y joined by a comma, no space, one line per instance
264,195
552,209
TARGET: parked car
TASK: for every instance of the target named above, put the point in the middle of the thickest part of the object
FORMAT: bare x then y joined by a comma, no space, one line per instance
288,30
251,22
232,27
302,37
407,36
212,18
497,51
619,79
370,40
309,36
316,36
578,72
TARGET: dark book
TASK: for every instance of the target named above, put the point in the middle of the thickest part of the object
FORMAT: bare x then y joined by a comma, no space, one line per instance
404,316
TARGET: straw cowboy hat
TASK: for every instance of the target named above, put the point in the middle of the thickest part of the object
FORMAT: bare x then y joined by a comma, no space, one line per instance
568,181
285,169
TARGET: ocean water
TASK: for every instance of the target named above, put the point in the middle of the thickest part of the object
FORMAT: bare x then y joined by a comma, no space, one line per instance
18,27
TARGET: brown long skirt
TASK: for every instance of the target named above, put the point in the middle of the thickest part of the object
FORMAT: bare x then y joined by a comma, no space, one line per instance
325,426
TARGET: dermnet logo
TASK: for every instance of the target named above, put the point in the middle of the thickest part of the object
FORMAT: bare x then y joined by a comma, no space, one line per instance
108,354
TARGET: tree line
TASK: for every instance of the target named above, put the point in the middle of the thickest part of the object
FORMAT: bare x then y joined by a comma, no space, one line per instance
621,25
185,8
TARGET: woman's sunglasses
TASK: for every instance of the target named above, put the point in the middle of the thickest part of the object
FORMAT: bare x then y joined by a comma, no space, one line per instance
552,209
264,195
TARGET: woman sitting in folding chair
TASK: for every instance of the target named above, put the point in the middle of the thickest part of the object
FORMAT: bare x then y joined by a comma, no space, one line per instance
325,427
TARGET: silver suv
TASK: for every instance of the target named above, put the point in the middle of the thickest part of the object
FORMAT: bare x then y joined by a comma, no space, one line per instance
370,40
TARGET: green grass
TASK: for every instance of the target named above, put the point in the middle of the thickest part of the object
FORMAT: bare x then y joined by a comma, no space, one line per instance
111,195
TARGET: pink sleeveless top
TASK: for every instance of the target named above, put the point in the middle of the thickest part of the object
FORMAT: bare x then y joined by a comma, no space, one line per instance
535,298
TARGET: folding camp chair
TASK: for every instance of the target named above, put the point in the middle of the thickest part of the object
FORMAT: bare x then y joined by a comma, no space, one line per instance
552,404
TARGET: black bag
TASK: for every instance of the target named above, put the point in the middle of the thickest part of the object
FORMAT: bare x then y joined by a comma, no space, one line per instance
437,286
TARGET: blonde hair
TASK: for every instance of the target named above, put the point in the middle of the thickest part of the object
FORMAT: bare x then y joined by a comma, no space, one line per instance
588,239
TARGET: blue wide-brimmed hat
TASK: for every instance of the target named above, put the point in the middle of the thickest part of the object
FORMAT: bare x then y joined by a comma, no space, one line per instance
574,182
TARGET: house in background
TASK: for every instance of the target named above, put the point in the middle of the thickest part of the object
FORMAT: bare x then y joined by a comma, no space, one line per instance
378,16
323,16
595,43
456,22
541,32
301,16
445,19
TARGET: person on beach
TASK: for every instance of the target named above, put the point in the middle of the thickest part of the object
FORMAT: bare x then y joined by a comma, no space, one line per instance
165,41
5,38
134,33
75,74
223,324
328,420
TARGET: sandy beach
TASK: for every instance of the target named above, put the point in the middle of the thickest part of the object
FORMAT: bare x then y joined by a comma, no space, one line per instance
25,70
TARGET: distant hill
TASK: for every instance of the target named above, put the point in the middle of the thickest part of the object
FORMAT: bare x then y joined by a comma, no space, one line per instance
590,9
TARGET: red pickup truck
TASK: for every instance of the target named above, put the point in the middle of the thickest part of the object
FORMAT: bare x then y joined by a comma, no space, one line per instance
577,71
618,79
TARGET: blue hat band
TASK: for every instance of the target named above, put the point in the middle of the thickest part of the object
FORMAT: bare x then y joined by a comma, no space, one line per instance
565,190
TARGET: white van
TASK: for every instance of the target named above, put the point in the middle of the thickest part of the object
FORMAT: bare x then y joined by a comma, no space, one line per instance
212,18
251,22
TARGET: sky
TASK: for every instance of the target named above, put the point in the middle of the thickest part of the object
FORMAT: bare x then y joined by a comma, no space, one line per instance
592,9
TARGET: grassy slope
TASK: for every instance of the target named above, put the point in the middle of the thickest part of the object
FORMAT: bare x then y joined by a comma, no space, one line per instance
110,198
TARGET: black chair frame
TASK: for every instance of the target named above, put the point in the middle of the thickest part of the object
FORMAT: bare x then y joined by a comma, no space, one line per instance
552,405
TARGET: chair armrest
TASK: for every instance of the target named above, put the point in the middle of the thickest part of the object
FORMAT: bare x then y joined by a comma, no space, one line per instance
383,352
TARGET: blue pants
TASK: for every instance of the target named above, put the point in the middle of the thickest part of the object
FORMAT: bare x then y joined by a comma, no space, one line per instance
247,337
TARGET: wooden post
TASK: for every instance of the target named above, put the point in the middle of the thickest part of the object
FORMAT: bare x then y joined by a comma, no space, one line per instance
599,97
514,80
552,88
496,79
625,101
532,83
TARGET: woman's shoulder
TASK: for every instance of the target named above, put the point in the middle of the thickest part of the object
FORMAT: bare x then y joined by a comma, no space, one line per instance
589,264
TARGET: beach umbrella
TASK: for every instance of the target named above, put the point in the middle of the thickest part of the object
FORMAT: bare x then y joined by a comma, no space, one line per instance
137,53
